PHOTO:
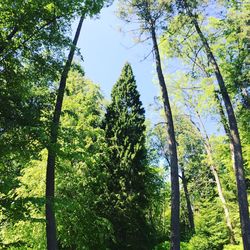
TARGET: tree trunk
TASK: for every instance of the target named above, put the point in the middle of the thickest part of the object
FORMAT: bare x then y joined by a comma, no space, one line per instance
188,202
213,168
221,196
237,149
226,128
175,192
50,174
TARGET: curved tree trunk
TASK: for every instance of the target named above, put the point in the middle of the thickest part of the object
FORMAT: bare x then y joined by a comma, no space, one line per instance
236,143
50,174
175,192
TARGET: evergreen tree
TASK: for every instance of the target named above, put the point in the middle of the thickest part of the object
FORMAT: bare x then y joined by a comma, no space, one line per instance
127,167
149,15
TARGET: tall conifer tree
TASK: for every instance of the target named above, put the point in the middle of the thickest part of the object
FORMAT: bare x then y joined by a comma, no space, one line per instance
125,134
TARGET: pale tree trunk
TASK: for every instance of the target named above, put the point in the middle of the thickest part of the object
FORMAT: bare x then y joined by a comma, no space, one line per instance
213,168
220,193
188,202
175,192
222,198
50,174
236,143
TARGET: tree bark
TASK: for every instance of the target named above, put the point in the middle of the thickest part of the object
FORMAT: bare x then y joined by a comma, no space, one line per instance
175,192
236,143
50,174
188,202
220,193
226,128
213,168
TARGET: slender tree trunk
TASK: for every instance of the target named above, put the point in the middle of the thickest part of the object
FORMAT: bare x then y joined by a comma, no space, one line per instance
220,193
50,174
238,158
213,168
188,202
226,128
175,192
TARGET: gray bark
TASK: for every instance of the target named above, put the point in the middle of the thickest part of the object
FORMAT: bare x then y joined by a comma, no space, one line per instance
226,128
175,192
188,202
236,143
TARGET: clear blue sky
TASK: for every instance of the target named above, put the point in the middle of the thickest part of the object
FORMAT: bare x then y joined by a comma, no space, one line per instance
105,50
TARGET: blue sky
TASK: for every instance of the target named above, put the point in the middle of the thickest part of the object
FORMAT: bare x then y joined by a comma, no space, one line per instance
105,50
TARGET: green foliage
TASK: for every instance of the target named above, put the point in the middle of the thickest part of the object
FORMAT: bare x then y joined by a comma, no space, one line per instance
34,36
32,44
127,166
233,247
211,232
81,175
26,230
210,224
79,181
147,14
199,242
112,188
165,245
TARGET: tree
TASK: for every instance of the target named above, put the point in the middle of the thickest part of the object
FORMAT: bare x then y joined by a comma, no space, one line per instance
186,146
235,137
80,179
214,170
32,51
88,9
190,95
127,166
150,15
192,150
32,44
50,172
